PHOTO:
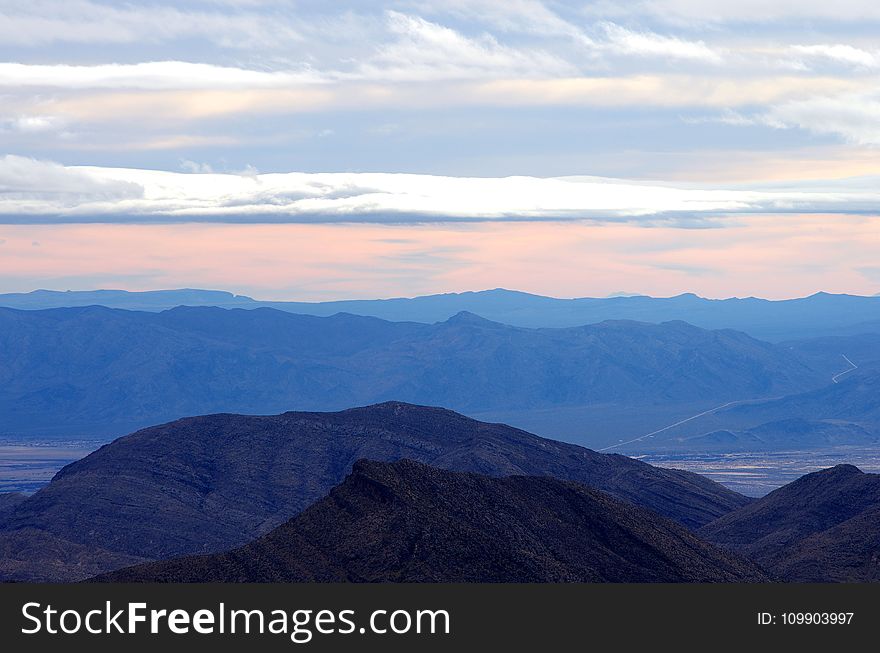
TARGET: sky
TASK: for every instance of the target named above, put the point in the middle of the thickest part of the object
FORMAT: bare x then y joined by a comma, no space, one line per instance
313,150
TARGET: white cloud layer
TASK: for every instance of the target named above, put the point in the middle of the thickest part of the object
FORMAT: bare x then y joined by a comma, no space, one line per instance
40,191
28,182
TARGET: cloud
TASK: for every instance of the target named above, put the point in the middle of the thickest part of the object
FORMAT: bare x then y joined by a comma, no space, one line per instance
41,22
193,167
418,50
155,75
171,111
153,82
423,50
520,17
30,185
726,117
649,44
839,53
33,124
854,117
696,12
39,191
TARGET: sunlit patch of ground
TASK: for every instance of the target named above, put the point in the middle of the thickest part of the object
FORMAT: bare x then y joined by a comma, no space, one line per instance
756,474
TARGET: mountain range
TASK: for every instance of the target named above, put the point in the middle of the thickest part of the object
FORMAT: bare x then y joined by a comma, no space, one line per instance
210,483
396,492
821,314
409,522
100,372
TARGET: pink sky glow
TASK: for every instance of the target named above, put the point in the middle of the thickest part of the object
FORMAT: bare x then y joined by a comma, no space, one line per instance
774,256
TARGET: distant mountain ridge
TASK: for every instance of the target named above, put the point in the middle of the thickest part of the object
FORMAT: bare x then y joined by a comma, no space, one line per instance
209,483
794,434
821,314
101,371
408,522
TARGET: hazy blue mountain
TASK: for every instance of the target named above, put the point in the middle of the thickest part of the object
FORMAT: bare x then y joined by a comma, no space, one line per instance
96,371
795,434
841,414
854,398
861,349
209,483
821,314
409,522
150,300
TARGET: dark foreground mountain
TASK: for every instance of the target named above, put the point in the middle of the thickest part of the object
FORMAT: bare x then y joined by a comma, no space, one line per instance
96,371
408,522
821,314
206,484
825,526
848,552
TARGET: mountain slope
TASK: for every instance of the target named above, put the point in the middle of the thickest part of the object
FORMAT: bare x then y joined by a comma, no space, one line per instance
209,483
846,553
96,371
8,502
408,522
819,510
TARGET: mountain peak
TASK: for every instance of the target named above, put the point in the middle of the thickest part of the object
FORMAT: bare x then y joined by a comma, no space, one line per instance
396,407
840,470
466,317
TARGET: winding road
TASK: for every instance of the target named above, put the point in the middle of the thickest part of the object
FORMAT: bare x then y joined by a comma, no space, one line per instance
834,379
853,366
